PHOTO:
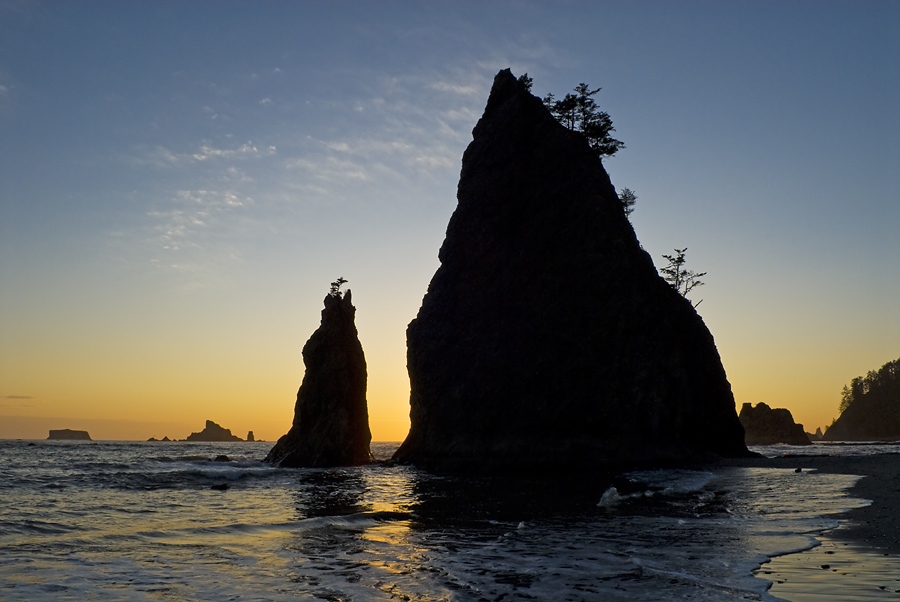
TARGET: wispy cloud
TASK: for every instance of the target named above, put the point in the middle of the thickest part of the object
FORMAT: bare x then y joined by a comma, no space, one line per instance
456,88
196,233
246,150
161,156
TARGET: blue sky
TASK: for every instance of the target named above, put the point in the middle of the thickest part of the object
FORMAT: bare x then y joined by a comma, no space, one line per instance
180,181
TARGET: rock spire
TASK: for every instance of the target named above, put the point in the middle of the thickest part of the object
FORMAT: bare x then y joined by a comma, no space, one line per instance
547,338
331,420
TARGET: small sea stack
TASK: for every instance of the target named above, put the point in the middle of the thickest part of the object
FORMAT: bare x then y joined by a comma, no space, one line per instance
331,418
770,426
213,432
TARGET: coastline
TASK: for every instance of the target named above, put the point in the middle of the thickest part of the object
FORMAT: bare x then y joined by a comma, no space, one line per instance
874,528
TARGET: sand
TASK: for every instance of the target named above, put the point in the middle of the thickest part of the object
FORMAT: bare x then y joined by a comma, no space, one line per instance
875,527
859,560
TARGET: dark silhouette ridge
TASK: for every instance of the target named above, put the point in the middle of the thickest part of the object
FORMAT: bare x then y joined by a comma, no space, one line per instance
69,435
870,407
767,426
331,419
546,338
213,432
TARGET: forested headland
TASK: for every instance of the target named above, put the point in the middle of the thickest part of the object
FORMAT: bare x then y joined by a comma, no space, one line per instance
870,407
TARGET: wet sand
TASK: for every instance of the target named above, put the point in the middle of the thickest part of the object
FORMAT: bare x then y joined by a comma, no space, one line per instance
859,560
875,527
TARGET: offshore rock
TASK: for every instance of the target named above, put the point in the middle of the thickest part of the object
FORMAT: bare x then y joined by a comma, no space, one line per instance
250,436
69,435
331,420
766,426
547,339
213,432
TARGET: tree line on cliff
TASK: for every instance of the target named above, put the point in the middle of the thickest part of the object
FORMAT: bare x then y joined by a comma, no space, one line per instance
870,406
878,387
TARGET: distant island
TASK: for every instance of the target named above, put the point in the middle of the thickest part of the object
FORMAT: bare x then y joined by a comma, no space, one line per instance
69,435
213,432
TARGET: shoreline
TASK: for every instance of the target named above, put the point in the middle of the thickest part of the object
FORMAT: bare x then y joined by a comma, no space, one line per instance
874,528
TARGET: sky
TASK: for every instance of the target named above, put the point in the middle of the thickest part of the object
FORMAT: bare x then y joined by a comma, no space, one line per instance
181,181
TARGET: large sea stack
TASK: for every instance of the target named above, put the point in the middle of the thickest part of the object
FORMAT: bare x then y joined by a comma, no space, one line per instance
546,338
331,420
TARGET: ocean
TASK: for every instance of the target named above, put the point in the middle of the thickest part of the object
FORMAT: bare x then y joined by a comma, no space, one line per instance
174,521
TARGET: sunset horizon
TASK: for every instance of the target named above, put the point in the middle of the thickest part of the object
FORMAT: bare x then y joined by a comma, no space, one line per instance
174,206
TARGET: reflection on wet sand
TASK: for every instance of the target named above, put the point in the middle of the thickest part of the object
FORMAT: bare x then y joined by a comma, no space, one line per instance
835,570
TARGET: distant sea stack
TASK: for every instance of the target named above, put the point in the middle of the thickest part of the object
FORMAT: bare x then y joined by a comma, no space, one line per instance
767,426
546,338
213,432
331,419
69,435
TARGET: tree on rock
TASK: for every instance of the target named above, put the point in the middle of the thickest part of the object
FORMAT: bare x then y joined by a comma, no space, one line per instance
336,287
680,278
627,198
578,111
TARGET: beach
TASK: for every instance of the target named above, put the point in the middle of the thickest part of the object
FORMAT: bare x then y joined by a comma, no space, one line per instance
860,559
874,527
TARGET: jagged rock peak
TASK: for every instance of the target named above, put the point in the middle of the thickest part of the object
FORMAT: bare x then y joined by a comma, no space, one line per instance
213,432
331,420
546,337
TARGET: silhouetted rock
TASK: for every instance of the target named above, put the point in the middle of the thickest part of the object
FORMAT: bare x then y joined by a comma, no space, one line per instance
547,337
250,436
222,458
165,439
766,426
817,436
213,432
219,487
69,435
331,420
